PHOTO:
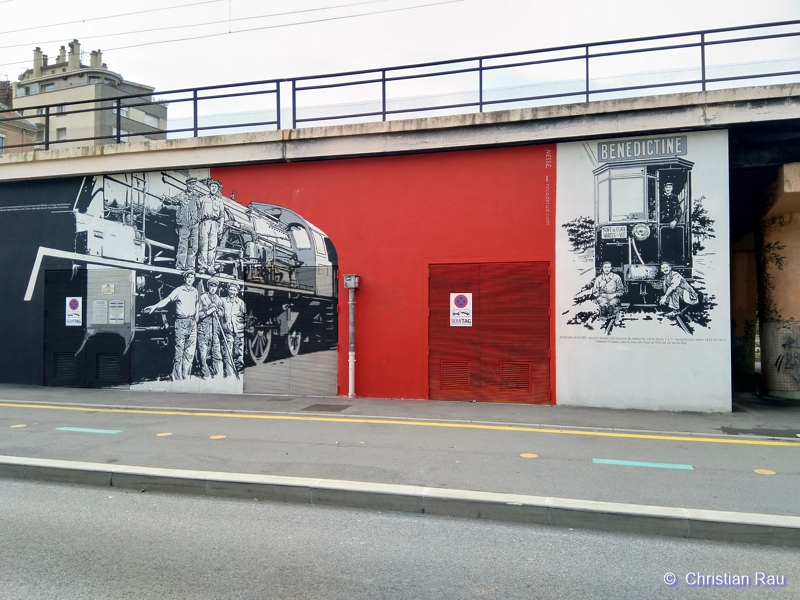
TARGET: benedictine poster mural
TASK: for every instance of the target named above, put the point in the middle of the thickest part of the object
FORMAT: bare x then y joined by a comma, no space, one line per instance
642,272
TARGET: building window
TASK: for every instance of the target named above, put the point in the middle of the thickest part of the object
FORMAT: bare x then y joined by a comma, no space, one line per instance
61,109
151,120
61,134
2,143
48,87
93,80
123,134
40,136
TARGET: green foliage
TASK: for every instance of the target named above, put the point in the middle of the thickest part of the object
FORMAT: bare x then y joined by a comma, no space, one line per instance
580,232
702,226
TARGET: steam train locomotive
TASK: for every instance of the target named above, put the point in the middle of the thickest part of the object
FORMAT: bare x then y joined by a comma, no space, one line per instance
288,267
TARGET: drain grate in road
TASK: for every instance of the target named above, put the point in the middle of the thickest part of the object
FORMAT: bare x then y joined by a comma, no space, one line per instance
325,408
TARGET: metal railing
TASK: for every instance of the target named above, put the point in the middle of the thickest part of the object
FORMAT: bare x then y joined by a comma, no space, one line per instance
690,61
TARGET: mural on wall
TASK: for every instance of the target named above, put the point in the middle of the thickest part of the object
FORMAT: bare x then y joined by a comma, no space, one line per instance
217,283
644,236
642,247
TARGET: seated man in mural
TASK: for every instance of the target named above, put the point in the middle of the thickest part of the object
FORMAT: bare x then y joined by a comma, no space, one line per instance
233,325
607,289
185,300
211,315
676,288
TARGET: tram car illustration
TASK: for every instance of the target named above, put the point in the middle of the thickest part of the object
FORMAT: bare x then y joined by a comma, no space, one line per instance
287,266
642,219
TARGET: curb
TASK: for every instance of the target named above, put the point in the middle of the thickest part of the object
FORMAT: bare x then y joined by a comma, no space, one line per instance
753,528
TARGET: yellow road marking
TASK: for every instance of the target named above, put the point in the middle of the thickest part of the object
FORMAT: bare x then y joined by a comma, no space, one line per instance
764,472
375,421
526,455
17,426
217,437
165,434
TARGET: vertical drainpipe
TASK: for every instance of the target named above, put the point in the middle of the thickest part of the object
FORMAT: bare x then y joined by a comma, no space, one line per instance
351,283
351,347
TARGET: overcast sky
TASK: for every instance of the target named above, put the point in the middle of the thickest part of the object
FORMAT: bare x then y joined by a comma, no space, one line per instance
397,32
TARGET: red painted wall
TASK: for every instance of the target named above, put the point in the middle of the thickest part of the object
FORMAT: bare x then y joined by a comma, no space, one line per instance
390,217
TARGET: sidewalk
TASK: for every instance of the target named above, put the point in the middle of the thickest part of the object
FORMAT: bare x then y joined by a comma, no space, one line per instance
452,458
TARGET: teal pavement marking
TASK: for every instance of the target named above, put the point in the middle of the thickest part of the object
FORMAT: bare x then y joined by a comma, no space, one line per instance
633,463
83,430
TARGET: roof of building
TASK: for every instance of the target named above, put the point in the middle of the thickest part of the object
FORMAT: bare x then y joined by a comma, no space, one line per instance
9,114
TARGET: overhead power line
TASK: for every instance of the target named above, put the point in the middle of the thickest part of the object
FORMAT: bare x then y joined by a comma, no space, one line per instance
297,23
280,14
199,37
140,12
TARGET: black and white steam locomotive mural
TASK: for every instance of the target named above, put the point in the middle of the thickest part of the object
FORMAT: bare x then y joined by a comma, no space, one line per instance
187,285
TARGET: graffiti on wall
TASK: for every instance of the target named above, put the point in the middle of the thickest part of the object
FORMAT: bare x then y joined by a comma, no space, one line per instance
218,283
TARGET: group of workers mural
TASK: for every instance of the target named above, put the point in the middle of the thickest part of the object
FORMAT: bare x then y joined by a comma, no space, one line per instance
209,328
199,219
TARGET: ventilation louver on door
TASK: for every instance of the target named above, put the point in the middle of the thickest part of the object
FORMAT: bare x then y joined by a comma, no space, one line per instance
455,375
107,366
64,365
516,377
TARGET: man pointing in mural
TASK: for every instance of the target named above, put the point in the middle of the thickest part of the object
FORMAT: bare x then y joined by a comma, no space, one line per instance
185,300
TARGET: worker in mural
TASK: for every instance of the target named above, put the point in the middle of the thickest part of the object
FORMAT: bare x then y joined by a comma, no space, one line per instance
210,335
185,300
670,206
211,214
607,289
676,288
234,324
187,223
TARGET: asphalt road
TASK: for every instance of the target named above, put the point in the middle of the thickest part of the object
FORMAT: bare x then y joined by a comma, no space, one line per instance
677,471
62,541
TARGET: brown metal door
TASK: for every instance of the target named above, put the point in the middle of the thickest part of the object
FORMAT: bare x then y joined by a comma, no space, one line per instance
505,355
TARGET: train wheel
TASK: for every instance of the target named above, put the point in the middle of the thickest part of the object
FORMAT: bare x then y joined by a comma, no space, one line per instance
259,345
293,340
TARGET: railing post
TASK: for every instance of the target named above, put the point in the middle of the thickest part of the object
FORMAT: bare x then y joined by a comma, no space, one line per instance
119,119
294,104
194,112
383,95
278,104
480,85
703,59
587,73
47,128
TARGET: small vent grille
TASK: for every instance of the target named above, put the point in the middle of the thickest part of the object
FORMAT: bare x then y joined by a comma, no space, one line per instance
455,375
107,366
64,365
516,377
